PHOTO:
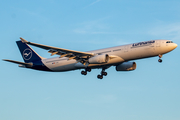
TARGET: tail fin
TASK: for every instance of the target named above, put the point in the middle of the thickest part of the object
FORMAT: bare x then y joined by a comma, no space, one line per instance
28,54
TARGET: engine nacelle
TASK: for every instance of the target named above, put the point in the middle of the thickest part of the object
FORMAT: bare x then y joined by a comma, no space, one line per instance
126,66
99,59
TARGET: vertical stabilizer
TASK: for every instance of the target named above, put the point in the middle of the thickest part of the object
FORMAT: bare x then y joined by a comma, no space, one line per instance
28,54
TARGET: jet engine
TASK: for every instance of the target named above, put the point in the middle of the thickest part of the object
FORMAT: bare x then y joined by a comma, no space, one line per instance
126,66
99,59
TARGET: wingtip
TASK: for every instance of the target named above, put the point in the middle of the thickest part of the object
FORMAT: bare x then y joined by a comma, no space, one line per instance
23,40
4,59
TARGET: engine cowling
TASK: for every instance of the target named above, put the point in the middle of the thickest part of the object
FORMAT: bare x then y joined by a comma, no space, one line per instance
99,59
126,66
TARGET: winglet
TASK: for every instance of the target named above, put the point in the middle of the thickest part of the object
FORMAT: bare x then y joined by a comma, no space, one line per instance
23,40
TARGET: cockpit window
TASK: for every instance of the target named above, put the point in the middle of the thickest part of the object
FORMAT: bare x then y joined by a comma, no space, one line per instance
169,42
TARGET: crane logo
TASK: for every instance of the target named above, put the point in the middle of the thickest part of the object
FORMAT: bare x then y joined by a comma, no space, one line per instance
27,54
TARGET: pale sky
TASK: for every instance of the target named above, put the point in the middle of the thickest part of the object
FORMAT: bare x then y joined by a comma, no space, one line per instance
151,92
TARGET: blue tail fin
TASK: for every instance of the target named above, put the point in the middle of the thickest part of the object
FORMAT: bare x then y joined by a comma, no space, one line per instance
28,54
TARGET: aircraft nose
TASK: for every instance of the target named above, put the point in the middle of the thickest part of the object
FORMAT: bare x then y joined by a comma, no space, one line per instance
175,45
171,46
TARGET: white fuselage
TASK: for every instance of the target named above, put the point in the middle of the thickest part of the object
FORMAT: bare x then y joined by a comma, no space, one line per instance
121,54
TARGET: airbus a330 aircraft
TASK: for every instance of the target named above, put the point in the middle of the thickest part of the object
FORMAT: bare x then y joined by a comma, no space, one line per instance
68,60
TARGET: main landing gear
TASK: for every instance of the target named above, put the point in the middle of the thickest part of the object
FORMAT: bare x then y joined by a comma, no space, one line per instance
100,76
160,60
86,70
103,73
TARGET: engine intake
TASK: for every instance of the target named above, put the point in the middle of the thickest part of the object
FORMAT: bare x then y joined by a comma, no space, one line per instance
126,66
99,59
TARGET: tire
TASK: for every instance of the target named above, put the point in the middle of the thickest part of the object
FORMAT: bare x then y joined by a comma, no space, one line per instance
104,73
83,72
100,77
88,69
160,60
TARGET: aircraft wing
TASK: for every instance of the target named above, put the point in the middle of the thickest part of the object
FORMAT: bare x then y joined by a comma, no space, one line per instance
71,54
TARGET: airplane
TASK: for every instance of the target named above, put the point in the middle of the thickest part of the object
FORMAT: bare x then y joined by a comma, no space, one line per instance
67,60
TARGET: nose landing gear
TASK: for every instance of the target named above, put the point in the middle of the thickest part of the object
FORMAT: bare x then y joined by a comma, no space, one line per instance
160,60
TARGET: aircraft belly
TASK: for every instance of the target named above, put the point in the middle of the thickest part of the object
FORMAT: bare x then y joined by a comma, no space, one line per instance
64,65
62,68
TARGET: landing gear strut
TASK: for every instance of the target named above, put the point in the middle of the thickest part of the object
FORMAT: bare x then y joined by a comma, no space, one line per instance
160,60
103,73
86,70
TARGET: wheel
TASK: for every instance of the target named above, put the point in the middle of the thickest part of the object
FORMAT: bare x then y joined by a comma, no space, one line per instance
83,72
160,60
100,77
88,69
104,73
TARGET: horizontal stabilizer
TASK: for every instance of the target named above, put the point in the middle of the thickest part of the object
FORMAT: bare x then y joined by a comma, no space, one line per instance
23,40
17,62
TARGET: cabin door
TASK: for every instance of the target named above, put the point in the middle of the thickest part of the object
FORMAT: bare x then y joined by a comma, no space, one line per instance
125,49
